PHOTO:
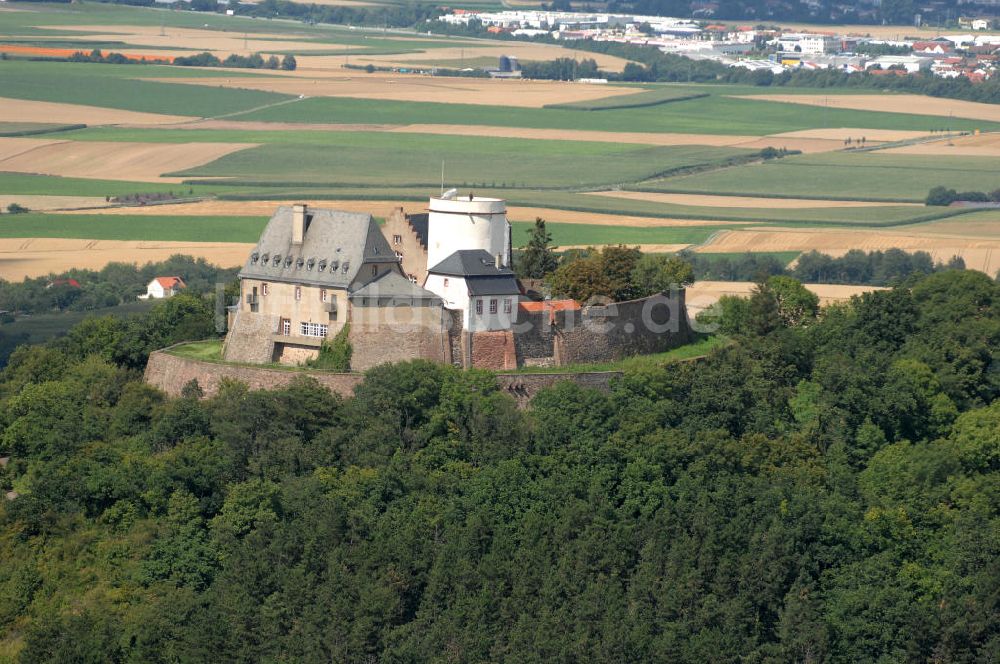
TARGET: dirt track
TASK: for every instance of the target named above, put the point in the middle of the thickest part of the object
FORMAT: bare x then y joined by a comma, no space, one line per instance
21,258
23,110
734,201
136,162
916,104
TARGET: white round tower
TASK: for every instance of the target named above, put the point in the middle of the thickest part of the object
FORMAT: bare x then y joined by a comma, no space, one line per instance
467,222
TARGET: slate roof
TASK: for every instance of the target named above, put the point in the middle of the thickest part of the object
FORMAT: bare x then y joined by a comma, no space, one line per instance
480,272
335,247
391,285
470,263
419,223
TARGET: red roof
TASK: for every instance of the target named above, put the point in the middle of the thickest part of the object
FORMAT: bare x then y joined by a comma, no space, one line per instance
170,282
549,305
65,282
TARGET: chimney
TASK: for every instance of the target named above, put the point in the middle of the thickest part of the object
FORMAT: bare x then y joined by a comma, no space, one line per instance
298,224
499,261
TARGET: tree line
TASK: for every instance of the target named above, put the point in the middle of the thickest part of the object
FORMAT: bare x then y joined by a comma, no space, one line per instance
822,489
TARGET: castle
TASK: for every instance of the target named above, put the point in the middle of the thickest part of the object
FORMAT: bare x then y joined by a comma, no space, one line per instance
437,286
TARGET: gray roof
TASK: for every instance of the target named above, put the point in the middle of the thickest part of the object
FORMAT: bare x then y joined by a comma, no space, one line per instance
496,285
470,263
394,286
335,246
419,224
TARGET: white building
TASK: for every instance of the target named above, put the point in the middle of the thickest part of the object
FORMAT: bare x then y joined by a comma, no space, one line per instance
807,43
162,287
468,259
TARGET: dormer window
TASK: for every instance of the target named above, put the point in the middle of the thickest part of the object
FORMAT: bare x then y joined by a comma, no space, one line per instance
322,265
254,257
334,264
310,264
288,261
347,266
276,261
265,258
299,263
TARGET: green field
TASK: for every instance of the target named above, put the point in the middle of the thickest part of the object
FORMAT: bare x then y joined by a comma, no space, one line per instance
384,159
715,114
89,84
862,176
124,227
654,97
587,234
50,185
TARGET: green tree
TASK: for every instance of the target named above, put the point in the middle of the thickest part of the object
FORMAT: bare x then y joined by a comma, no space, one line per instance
656,274
538,259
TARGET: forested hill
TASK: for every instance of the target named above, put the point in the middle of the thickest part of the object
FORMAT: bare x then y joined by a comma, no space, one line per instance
822,490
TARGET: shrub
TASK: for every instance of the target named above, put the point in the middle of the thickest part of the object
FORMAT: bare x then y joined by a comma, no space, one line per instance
941,196
335,355
14,208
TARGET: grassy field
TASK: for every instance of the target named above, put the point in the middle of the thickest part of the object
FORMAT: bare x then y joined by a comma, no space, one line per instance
654,97
122,227
383,159
715,114
88,84
862,176
50,185
585,234
210,350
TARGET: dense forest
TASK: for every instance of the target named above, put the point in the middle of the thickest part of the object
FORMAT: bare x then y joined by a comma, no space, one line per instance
826,488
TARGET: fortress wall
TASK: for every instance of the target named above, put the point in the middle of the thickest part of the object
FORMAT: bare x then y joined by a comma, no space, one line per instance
604,333
381,335
249,339
494,350
171,373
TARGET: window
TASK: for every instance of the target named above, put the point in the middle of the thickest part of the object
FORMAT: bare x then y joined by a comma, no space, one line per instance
507,305
286,326
298,292
493,306
479,307
322,295
374,270
263,289
313,329
397,239
446,282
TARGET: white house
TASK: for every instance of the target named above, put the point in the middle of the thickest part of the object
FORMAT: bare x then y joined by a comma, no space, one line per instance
162,287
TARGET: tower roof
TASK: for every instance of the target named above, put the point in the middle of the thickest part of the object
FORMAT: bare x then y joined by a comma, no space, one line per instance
470,263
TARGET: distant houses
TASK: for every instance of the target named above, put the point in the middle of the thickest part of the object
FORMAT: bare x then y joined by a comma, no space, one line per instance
161,287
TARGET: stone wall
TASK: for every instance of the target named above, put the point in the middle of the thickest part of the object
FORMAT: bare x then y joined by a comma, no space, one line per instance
381,335
603,333
249,338
171,373
493,350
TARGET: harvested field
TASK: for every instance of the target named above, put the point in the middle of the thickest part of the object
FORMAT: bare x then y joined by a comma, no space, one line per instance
34,257
893,32
894,104
979,253
135,162
854,133
523,51
12,147
703,294
807,145
23,110
416,88
193,39
984,145
46,203
735,201
382,208
980,225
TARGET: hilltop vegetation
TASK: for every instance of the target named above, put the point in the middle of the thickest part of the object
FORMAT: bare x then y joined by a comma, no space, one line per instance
823,490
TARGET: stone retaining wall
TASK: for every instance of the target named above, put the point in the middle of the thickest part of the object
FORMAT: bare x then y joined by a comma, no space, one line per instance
171,373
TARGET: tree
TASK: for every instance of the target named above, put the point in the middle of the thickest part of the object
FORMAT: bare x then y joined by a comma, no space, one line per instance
288,63
797,305
582,280
656,274
538,258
